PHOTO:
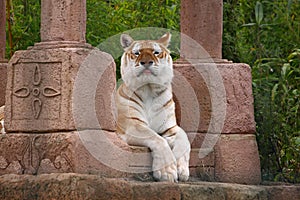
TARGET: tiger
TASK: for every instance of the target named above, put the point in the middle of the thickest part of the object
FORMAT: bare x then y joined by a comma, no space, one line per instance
146,110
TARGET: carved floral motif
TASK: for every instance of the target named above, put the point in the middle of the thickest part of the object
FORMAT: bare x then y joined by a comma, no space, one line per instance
36,91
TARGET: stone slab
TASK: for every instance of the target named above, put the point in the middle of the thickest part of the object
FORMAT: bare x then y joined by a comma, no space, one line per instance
237,106
283,191
85,152
234,159
78,186
69,153
237,159
3,81
40,94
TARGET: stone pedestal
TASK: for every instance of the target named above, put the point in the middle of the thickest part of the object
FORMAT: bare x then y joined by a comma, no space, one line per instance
234,155
56,90
41,84
60,152
226,126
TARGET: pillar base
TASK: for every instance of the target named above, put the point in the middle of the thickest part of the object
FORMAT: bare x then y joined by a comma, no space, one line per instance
40,95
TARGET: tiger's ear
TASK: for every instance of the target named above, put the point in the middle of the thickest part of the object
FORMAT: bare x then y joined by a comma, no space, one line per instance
165,39
126,40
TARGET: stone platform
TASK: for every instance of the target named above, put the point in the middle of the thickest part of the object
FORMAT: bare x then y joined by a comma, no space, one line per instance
77,186
103,153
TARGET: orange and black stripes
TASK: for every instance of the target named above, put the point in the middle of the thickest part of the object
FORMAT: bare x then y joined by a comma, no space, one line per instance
170,131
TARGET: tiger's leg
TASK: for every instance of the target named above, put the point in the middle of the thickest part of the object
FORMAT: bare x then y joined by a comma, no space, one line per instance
181,149
164,163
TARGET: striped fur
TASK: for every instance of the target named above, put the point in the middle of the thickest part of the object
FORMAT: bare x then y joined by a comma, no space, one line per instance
146,110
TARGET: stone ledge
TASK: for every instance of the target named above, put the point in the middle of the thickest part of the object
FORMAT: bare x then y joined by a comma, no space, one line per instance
78,186
103,153
75,186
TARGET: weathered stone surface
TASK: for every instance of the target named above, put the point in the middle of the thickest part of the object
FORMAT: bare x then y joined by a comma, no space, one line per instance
202,21
237,81
72,152
76,186
237,159
3,80
63,20
283,192
66,152
195,161
40,91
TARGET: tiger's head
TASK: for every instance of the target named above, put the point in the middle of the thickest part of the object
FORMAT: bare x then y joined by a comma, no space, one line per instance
146,61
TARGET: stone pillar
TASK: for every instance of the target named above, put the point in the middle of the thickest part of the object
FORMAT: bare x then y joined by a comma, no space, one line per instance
202,21
235,155
41,79
41,104
63,20
3,62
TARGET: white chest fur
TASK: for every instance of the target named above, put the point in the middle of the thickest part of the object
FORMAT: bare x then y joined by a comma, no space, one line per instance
159,109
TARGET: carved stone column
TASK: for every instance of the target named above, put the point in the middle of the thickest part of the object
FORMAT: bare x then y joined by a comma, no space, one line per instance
3,62
41,79
234,157
41,104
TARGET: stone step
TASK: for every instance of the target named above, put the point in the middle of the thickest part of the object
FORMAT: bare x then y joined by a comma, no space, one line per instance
78,186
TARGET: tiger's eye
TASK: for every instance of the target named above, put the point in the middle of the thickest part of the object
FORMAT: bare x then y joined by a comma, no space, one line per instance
156,52
137,53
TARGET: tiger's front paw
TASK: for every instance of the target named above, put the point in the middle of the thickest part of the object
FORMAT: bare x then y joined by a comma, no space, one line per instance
183,168
168,173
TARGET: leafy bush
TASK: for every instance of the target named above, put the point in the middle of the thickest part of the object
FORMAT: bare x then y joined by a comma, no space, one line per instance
108,18
25,25
276,86
266,35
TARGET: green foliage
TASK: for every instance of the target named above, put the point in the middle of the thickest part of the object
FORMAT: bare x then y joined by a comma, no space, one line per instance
108,18
25,22
276,86
266,35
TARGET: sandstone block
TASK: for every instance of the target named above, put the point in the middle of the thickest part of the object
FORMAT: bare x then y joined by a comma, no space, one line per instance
71,153
42,94
205,83
237,159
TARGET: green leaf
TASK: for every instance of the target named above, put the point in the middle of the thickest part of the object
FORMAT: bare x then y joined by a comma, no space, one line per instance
259,12
249,24
284,69
274,91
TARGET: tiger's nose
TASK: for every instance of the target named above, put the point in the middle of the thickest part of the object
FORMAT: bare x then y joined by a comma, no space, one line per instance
147,63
